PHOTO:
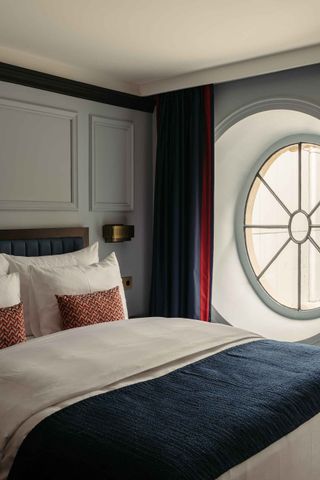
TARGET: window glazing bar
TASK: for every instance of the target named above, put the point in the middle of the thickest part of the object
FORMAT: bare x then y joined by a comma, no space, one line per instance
314,209
274,258
274,194
299,177
266,226
314,243
299,276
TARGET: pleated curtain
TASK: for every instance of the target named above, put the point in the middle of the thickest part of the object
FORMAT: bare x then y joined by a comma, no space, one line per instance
183,206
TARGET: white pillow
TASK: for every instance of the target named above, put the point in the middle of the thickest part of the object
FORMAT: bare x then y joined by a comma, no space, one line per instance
9,290
22,265
73,280
4,265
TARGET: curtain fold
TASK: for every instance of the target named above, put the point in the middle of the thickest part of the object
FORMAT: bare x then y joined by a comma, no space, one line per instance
183,205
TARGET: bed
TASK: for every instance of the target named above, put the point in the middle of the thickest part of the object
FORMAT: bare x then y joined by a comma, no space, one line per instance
156,398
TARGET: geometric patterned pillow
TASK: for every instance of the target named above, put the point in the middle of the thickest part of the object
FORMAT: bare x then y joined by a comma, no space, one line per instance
90,308
12,328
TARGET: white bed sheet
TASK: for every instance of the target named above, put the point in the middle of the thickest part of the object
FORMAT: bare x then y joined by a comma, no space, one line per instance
40,377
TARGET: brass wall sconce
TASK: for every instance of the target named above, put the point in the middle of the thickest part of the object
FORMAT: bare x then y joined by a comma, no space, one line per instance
117,233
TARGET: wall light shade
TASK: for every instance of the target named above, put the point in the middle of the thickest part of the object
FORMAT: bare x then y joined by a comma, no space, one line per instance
117,233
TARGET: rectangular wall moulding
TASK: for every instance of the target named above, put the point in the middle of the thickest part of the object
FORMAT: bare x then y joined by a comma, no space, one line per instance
38,157
112,164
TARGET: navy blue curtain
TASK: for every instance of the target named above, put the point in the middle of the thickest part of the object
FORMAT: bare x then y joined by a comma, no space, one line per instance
183,206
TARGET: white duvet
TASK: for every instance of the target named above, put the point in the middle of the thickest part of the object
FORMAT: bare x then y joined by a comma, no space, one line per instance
48,373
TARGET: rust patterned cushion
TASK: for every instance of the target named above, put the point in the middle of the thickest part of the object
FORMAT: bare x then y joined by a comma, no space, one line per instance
12,329
90,308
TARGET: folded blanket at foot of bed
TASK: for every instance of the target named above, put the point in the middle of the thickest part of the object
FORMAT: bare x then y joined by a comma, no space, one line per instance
194,423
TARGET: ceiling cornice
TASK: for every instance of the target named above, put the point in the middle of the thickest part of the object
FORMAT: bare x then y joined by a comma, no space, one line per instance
236,71
91,76
53,83
86,84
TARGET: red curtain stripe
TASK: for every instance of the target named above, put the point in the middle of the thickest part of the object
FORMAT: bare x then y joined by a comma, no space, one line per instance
206,211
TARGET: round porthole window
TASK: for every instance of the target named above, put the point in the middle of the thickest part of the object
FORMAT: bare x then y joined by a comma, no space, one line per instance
282,229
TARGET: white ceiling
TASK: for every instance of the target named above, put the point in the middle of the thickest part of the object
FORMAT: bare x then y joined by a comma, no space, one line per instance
148,46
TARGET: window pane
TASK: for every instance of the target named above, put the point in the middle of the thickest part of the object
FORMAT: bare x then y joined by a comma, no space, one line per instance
281,173
263,208
310,184
281,279
263,244
310,276
315,217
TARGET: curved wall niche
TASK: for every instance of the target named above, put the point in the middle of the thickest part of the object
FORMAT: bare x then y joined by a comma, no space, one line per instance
242,139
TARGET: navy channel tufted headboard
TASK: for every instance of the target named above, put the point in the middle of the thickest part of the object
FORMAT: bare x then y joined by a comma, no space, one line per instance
36,242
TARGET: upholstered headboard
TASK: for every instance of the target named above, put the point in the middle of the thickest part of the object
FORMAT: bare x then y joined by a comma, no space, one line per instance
36,242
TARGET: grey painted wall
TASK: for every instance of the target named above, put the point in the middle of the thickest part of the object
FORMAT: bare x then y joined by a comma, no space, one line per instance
302,83
237,151
135,256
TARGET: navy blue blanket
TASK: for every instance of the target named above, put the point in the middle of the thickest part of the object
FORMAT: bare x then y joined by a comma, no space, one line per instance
194,423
